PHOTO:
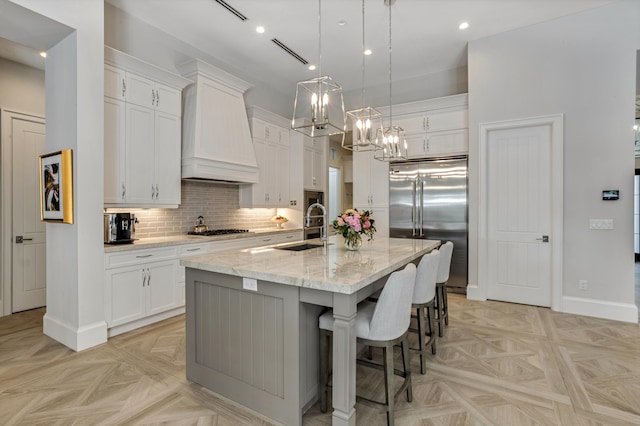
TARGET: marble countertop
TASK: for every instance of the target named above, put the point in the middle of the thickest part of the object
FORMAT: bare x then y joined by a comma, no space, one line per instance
332,269
147,243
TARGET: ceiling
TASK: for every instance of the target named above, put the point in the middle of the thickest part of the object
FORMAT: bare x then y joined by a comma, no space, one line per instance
425,35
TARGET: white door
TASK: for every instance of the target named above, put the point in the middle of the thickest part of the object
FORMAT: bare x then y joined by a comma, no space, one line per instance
519,215
29,236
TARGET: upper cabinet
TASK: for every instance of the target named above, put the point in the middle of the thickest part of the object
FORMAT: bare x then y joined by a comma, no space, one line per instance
314,163
142,133
271,144
434,128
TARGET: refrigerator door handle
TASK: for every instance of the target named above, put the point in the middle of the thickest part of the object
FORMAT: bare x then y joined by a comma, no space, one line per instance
413,209
421,207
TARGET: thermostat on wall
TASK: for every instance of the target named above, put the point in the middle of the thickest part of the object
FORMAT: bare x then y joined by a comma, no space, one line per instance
610,194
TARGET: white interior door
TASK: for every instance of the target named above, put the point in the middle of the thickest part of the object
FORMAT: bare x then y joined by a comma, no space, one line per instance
519,215
29,236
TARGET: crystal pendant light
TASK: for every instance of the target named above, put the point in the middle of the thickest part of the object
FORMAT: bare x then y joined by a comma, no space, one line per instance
318,109
366,121
394,144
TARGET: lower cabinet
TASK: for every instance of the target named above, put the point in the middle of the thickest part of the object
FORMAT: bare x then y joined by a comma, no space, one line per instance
137,291
143,286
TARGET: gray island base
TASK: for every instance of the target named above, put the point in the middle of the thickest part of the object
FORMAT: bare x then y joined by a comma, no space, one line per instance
252,321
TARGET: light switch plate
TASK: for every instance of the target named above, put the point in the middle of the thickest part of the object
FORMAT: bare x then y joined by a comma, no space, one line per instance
600,223
250,284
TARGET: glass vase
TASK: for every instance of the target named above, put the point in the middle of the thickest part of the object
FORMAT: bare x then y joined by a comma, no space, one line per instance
353,242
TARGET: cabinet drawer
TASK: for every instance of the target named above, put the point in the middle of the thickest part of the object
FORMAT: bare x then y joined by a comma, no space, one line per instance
193,250
134,257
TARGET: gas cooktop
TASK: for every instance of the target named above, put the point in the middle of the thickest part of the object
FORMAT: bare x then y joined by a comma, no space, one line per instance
219,232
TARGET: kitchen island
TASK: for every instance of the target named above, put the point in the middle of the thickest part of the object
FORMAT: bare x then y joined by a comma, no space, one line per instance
252,332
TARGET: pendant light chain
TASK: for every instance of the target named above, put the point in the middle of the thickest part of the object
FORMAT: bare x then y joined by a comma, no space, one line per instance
319,38
390,87
362,53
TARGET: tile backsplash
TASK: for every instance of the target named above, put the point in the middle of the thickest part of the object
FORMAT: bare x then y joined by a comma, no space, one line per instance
217,202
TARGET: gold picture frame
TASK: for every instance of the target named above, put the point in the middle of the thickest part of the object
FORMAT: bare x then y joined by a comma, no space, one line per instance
56,187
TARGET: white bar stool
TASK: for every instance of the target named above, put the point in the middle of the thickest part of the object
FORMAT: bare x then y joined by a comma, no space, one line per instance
382,324
442,303
424,297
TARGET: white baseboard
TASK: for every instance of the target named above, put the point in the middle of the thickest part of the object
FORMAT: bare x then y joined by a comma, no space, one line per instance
77,339
114,331
600,309
474,293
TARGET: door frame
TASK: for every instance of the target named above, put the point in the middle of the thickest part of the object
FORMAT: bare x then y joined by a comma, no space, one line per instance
556,127
6,202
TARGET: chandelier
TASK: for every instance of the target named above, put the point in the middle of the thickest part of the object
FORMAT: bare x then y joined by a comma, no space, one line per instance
394,144
366,121
318,109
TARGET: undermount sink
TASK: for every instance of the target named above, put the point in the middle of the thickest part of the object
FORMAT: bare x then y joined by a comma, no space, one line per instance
300,247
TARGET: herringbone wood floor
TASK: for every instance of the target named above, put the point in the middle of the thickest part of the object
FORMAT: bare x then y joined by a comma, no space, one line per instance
498,364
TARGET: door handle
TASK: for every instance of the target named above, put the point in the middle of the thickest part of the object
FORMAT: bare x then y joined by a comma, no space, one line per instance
20,239
544,239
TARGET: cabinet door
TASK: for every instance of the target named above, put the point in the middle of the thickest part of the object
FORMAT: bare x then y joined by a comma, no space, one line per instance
411,124
416,145
162,286
114,82
381,217
167,158
307,165
451,120
114,150
319,170
447,143
168,99
140,91
259,190
140,161
282,175
379,180
361,183
124,294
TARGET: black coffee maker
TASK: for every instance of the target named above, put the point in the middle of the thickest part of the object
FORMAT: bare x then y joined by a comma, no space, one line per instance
119,228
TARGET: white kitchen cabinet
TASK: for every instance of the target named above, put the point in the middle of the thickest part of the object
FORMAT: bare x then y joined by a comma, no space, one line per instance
140,287
314,166
115,140
435,133
151,94
271,146
115,83
371,188
142,133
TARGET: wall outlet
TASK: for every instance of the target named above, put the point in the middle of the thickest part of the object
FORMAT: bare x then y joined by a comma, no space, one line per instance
582,285
600,223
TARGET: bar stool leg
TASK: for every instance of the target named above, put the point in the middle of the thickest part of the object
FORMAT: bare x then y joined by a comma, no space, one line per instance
388,383
445,304
421,339
431,319
407,367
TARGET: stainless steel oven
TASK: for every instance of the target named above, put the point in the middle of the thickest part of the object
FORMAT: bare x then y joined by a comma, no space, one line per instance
313,230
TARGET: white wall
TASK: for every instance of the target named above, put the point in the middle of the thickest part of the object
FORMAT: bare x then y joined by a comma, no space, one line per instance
74,110
22,88
583,66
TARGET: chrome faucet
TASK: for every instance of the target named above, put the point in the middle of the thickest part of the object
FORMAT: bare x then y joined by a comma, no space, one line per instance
308,217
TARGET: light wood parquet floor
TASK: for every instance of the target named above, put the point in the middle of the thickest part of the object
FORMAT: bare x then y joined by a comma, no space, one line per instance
498,364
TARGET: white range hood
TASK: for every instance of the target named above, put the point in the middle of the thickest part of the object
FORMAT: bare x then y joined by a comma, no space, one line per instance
216,141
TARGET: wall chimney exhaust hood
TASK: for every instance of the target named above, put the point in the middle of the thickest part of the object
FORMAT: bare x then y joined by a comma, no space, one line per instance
216,141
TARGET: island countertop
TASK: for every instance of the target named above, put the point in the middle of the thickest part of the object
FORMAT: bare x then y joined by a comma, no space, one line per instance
332,269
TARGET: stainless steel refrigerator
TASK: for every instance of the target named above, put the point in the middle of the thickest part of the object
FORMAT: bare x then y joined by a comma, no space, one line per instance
428,199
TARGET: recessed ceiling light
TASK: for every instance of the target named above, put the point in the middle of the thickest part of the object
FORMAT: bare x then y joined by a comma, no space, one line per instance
260,29
312,67
43,54
342,23
368,52
463,26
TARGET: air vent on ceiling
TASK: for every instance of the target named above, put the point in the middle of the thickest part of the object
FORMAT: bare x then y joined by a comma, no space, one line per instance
231,9
284,47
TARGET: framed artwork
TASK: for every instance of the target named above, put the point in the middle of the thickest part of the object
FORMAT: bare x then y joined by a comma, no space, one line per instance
56,187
